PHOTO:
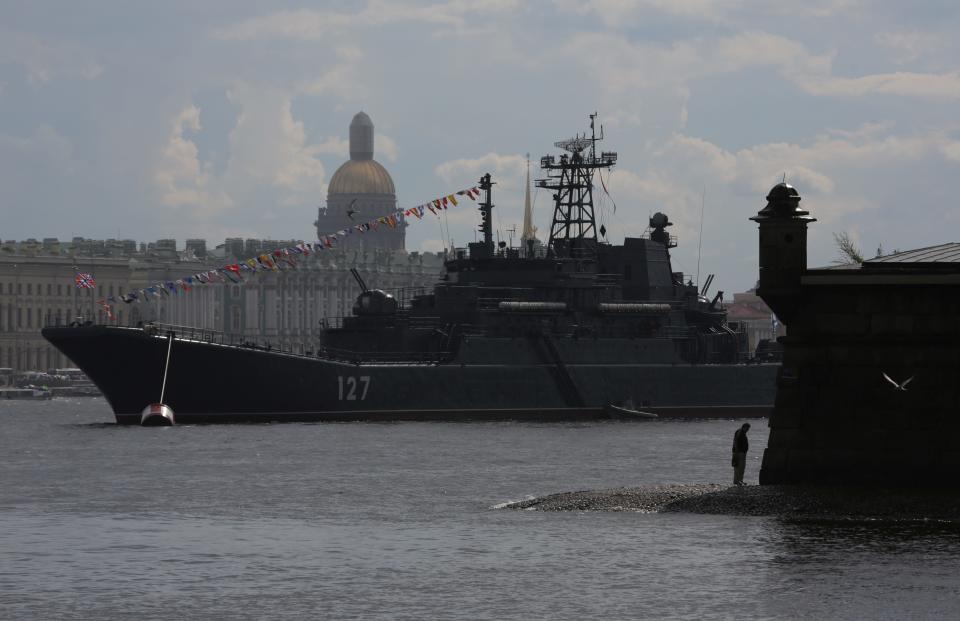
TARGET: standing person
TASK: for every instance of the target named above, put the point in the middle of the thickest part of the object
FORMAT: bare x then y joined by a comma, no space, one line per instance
740,447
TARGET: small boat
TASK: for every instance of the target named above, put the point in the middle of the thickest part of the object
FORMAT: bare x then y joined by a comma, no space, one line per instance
627,410
28,393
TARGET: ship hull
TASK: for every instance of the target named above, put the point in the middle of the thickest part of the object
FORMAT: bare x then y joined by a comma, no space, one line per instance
212,383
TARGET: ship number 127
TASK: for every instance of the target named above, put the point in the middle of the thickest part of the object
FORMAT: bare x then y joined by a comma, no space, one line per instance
352,388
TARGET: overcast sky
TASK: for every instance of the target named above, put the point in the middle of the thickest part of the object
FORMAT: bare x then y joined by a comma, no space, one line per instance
226,118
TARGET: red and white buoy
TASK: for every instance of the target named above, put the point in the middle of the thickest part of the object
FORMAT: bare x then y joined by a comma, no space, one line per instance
159,414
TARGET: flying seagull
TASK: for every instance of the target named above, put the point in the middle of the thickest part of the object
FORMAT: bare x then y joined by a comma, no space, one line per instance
897,386
350,209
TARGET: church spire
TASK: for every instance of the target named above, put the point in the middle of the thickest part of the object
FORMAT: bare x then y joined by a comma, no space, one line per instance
529,231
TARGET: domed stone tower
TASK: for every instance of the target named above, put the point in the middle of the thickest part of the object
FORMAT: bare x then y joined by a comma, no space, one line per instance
359,192
783,249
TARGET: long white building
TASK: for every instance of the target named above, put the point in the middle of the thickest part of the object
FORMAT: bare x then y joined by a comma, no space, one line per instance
287,308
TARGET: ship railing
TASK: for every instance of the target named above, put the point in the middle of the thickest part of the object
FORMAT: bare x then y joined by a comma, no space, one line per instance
405,295
423,322
675,332
204,335
193,333
335,322
609,280
383,357
412,321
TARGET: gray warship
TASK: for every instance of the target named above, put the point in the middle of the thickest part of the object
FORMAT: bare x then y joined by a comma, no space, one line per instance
575,329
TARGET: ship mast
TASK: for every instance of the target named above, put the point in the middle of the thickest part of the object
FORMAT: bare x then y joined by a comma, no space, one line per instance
484,249
573,230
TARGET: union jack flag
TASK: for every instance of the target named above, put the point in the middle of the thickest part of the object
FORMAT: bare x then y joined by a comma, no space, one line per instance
84,281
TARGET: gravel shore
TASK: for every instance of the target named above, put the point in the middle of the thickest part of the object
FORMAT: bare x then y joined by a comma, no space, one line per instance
823,503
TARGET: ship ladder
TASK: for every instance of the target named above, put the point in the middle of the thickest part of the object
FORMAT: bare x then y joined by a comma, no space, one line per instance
565,381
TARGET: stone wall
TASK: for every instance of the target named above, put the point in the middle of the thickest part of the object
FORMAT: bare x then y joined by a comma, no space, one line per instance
837,419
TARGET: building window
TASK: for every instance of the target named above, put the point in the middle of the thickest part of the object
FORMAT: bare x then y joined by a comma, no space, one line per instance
29,317
29,288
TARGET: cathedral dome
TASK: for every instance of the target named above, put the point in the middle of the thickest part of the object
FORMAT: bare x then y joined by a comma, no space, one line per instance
361,177
361,174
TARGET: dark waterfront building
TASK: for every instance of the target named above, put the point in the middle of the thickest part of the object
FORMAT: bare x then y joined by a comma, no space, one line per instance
867,393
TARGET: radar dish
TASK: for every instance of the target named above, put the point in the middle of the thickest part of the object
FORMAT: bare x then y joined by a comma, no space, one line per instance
573,145
660,220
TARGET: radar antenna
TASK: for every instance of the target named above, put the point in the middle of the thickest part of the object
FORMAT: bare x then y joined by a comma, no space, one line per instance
573,231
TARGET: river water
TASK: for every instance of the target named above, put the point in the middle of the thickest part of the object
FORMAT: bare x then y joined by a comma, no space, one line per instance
398,521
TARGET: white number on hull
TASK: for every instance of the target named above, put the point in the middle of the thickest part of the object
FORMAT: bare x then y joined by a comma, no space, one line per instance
347,387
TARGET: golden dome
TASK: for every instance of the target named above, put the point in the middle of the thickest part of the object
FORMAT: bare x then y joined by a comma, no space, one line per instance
361,177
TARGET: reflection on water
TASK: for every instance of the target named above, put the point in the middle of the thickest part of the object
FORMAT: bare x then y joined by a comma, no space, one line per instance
859,569
393,521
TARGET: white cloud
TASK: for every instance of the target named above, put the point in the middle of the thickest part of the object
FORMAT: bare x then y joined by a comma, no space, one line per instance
386,146
909,46
314,25
432,245
819,166
268,152
42,182
904,84
508,170
509,174
268,147
341,79
649,85
620,14
840,173
45,60
333,145
180,177
46,144
841,178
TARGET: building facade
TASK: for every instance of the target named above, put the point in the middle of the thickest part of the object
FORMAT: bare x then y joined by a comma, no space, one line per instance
38,288
287,308
750,311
